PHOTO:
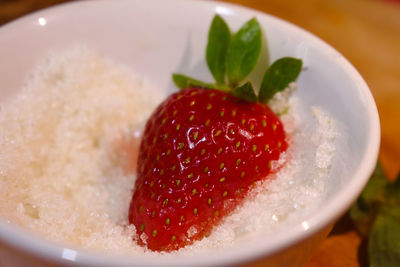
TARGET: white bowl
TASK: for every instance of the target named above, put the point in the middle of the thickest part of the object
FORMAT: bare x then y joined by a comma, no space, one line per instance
156,38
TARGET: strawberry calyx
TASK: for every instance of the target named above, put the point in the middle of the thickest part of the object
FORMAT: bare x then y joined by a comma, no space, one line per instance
231,58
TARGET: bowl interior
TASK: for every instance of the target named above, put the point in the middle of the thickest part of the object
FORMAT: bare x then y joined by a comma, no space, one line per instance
157,38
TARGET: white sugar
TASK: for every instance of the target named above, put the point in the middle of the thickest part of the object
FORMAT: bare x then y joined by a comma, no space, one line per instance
56,138
58,170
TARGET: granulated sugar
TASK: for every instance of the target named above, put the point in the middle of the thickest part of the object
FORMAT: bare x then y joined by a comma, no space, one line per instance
59,170
56,138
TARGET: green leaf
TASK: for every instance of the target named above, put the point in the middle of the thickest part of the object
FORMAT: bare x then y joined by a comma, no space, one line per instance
243,52
375,190
384,240
365,209
278,76
219,37
362,219
393,192
183,82
245,92
396,183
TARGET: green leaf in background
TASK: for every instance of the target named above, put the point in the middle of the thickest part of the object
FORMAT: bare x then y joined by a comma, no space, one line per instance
278,76
243,52
364,210
245,92
384,240
375,190
376,214
219,37
183,82
393,192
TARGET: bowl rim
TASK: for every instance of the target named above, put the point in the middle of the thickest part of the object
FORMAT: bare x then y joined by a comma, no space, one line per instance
26,241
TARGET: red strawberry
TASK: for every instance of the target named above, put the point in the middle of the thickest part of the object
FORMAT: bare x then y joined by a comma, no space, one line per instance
200,154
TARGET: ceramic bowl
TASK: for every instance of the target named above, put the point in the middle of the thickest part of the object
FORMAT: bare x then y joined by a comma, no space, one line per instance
156,38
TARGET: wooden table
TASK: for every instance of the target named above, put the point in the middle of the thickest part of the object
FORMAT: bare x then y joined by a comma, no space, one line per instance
367,32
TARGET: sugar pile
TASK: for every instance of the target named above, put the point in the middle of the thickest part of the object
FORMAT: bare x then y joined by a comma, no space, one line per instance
55,139
59,176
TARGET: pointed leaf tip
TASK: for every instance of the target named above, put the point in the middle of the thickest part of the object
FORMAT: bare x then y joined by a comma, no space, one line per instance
243,52
245,92
278,76
183,82
219,37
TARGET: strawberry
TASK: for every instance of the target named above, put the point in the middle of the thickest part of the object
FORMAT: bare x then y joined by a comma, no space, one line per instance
200,153
203,149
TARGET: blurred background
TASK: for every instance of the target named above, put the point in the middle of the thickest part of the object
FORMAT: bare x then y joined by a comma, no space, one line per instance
367,32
